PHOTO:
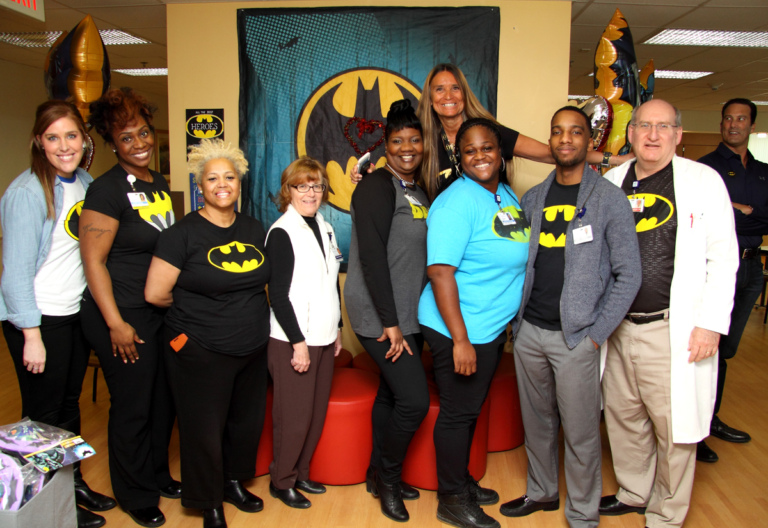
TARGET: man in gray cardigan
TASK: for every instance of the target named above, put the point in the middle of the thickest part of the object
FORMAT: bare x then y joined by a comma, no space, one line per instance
583,273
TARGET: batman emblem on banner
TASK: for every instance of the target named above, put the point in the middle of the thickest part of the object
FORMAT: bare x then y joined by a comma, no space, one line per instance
344,118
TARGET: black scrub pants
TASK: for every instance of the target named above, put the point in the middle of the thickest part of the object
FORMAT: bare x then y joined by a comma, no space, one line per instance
400,406
461,400
221,402
142,412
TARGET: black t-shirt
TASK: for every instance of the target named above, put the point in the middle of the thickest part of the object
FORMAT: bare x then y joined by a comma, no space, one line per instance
656,229
543,308
219,298
131,253
447,170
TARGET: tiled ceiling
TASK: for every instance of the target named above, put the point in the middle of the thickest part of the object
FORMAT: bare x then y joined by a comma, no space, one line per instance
741,72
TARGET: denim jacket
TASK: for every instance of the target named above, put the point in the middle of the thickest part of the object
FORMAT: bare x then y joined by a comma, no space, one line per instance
27,236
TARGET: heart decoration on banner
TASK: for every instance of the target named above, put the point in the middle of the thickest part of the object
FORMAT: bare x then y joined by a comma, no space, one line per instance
364,126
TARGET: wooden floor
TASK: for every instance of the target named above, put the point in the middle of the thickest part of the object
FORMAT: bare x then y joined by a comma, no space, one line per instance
731,492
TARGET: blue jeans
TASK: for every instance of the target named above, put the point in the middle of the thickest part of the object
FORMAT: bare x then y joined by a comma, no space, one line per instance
749,284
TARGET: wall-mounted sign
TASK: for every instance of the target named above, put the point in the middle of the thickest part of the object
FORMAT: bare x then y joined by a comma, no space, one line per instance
32,8
202,124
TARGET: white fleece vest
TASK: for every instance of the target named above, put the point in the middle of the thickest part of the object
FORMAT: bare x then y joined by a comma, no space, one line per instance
313,292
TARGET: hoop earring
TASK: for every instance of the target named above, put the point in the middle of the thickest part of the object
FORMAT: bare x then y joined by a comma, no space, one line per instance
503,165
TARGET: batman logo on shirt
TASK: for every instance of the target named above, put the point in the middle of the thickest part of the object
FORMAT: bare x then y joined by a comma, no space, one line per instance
554,225
159,212
236,257
520,231
656,211
72,223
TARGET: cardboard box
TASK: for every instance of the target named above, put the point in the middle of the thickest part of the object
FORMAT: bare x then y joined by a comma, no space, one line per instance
53,507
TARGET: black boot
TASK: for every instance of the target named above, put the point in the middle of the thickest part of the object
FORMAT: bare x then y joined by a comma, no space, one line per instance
235,493
86,497
407,492
482,496
86,519
461,510
214,518
391,502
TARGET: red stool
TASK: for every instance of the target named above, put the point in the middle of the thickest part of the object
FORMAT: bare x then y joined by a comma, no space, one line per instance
364,361
265,455
343,360
420,467
505,430
344,451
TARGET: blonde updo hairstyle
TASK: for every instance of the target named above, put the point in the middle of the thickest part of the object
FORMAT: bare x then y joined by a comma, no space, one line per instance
213,149
302,170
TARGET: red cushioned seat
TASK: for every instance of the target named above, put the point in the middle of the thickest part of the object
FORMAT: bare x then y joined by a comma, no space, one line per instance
343,360
505,430
420,468
265,454
364,361
344,451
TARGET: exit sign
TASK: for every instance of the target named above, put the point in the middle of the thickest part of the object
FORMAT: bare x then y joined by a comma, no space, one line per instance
33,8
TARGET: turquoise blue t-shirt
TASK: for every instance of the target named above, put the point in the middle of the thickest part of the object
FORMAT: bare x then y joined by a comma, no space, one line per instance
464,230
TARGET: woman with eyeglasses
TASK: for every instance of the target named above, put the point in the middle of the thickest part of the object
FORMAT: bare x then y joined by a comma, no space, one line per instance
305,327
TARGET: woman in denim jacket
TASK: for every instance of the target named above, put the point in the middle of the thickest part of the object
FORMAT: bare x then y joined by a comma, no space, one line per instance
43,281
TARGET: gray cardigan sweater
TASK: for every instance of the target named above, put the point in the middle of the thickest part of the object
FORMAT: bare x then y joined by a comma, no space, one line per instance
603,276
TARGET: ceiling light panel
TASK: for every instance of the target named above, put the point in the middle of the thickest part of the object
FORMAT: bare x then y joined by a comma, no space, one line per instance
144,72
45,39
699,37
673,74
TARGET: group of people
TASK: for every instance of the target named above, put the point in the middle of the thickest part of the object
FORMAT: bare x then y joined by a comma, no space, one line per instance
639,266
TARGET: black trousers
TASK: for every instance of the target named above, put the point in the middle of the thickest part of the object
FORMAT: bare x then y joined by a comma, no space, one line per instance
461,400
141,413
221,402
53,396
298,409
400,406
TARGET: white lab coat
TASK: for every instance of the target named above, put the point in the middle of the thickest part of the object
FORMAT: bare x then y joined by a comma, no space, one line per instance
703,284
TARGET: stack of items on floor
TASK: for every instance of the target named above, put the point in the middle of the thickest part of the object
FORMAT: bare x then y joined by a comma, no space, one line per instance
30,455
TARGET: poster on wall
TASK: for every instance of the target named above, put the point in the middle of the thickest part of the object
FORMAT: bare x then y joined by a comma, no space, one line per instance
319,82
202,124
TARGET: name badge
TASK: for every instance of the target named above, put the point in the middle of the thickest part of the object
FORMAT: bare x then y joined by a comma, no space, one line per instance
337,252
582,234
638,204
413,200
138,199
506,218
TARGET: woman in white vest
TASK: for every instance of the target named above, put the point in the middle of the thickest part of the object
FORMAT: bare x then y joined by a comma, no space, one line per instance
305,327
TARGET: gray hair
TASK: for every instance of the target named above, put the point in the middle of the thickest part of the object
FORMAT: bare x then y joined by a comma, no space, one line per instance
212,149
678,113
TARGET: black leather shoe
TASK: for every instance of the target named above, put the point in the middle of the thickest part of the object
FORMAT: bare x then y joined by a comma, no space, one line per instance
86,519
235,493
89,499
719,430
391,501
172,490
310,486
611,506
214,518
407,492
482,496
290,497
526,506
462,511
150,517
704,453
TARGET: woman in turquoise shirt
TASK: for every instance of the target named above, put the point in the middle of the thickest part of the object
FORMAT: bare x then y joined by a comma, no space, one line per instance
477,247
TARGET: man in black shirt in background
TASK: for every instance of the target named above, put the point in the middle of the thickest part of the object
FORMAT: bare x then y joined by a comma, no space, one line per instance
747,183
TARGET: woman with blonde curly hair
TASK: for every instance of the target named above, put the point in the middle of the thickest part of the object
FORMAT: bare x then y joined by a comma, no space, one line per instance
305,334
210,270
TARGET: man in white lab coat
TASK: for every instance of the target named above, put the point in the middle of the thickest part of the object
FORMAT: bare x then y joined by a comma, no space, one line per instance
661,364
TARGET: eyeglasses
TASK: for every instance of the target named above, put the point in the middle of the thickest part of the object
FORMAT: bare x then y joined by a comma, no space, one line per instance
645,126
305,187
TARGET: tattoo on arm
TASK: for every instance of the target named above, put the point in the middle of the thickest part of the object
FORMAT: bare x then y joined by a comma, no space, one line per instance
90,229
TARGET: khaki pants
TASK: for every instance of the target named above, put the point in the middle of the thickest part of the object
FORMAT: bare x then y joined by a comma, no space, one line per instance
651,470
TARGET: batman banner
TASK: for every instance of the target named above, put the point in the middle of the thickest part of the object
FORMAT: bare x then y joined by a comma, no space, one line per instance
319,83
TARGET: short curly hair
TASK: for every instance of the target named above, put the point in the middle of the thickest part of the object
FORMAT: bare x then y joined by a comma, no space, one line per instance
302,170
212,149
116,108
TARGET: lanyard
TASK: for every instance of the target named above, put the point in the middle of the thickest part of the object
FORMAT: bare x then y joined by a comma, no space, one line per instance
449,149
